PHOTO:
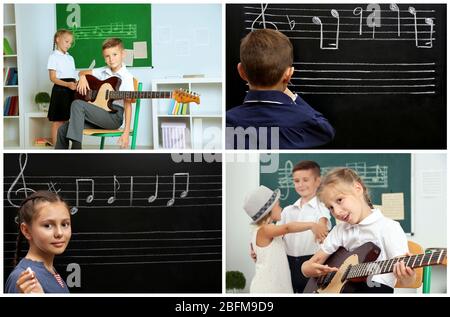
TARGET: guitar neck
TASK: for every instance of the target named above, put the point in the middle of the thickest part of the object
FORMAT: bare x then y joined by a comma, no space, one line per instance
387,266
139,95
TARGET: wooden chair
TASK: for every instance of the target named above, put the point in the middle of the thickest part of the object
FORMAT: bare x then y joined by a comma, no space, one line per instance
103,133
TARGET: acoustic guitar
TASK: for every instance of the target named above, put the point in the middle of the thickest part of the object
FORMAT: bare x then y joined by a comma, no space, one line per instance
103,92
357,265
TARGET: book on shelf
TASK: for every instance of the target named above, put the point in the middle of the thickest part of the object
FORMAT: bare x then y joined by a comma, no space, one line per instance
10,75
11,106
7,49
43,142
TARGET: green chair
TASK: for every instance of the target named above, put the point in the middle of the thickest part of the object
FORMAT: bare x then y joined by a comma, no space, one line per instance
103,133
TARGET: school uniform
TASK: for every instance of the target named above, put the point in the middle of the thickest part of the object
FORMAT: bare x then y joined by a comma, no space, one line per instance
300,246
51,283
61,97
84,115
251,125
385,233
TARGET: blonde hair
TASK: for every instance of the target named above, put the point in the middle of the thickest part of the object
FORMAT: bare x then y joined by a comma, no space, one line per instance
58,34
339,177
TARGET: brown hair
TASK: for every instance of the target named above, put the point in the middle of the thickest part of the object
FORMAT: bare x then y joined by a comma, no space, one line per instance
342,176
112,42
58,34
265,56
307,165
29,208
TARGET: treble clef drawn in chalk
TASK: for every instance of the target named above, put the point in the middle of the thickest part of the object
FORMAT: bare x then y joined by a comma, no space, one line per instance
332,46
116,186
429,22
359,11
184,193
23,189
395,8
284,179
152,198
263,18
89,198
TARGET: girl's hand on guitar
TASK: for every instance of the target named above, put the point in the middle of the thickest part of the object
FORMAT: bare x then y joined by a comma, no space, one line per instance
72,86
405,275
316,269
83,85
124,141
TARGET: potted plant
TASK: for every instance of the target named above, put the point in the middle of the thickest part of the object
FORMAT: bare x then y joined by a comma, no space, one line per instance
234,281
42,99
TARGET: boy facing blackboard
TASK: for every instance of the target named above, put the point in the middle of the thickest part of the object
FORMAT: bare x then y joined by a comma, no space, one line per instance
271,115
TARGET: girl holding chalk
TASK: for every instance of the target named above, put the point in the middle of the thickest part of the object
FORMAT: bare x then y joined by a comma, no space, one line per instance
44,221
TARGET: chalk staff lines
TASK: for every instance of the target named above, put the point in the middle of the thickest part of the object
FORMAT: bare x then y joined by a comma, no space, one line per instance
364,78
330,26
130,248
156,191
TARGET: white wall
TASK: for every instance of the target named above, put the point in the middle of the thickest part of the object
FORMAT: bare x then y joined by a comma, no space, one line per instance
429,213
186,39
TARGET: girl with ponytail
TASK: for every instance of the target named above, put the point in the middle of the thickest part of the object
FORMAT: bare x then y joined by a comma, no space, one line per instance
44,222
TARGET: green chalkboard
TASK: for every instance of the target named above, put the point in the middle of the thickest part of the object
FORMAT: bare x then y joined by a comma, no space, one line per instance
93,23
382,173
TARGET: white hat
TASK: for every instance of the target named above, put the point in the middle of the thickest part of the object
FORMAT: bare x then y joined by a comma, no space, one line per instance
260,202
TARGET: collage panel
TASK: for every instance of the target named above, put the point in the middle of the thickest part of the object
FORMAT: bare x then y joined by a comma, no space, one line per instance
136,76
336,76
336,223
112,223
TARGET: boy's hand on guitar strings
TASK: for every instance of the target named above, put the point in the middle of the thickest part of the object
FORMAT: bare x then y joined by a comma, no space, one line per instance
28,283
404,274
83,85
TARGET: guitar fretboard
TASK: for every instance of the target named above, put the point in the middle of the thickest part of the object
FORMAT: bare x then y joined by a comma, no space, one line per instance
387,266
139,95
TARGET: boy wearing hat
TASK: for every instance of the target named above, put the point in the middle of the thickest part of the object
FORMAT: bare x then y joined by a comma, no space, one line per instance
272,273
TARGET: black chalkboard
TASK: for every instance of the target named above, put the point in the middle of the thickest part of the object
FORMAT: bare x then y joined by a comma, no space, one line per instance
130,244
379,89
382,173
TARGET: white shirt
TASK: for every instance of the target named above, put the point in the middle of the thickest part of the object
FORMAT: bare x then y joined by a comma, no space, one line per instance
303,243
127,84
63,64
385,233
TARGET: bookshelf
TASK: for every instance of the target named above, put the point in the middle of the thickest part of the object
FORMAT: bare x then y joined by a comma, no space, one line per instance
203,122
12,122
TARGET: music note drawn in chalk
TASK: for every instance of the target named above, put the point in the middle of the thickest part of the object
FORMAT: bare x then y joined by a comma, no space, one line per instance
52,188
184,193
89,198
263,18
21,175
394,7
291,23
359,11
428,21
152,198
317,21
116,187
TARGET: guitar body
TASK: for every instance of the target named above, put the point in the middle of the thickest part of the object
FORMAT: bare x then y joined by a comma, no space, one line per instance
98,93
342,258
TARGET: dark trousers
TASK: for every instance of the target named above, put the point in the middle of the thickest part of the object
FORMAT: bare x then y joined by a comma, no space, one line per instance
84,115
298,280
